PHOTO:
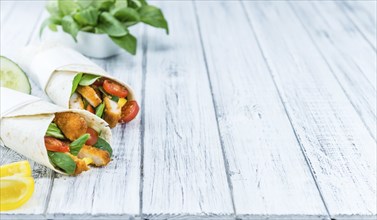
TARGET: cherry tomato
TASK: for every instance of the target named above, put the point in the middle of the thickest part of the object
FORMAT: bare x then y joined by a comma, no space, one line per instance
53,144
90,109
98,82
129,111
93,136
115,89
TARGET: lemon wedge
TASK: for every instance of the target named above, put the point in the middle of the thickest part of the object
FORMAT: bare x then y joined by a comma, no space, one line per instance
15,191
21,168
16,185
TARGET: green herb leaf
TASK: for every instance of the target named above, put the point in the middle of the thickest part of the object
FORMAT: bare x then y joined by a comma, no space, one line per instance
53,8
63,161
110,25
54,131
126,14
143,2
87,16
128,42
103,5
134,3
85,3
51,22
70,26
76,82
115,98
103,145
68,7
153,16
88,79
120,4
100,109
53,27
88,29
76,145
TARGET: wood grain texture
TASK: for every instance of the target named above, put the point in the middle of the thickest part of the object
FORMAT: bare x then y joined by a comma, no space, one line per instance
112,191
15,34
305,66
338,146
184,173
6,8
350,57
364,15
269,174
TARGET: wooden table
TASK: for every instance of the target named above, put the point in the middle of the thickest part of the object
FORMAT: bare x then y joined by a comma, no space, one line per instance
249,110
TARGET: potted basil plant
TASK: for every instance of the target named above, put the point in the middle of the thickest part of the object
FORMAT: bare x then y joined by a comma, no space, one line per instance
101,28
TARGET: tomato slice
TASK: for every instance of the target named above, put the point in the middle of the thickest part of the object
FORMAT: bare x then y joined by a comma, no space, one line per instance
129,111
114,88
53,144
93,136
90,109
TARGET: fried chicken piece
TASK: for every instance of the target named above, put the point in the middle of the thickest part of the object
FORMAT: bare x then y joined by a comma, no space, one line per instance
81,165
90,95
71,124
112,112
99,157
75,102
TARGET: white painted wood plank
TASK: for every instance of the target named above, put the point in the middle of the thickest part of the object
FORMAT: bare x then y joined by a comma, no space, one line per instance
339,148
5,10
184,172
111,191
15,33
270,176
350,57
364,15
117,190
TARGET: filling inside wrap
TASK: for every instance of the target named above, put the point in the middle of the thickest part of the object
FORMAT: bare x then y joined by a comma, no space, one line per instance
72,145
103,97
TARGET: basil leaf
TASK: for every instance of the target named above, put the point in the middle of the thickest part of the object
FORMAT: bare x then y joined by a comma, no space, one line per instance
51,22
88,29
85,3
87,16
115,98
104,5
143,2
76,82
63,161
53,8
128,42
153,16
100,109
54,131
68,7
134,4
111,26
126,14
76,145
103,145
70,26
120,3
88,79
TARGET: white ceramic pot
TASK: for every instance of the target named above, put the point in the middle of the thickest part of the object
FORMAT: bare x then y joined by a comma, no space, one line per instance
89,44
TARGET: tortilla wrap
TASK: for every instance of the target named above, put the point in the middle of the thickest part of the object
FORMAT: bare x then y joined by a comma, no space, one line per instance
54,67
24,120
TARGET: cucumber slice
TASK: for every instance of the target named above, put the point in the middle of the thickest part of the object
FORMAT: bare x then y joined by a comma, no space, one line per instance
12,76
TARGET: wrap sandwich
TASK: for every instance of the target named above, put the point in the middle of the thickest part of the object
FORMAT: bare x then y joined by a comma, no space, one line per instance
65,140
73,81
